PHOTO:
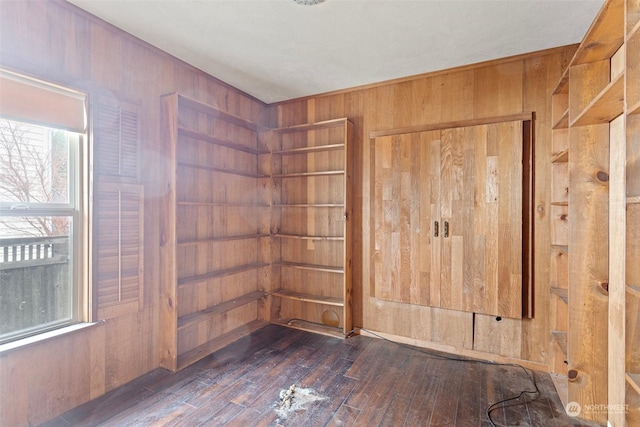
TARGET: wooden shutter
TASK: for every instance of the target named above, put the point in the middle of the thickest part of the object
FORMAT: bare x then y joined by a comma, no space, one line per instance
115,134
118,211
119,244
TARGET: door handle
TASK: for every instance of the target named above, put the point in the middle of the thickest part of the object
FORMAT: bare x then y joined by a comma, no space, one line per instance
446,229
436,229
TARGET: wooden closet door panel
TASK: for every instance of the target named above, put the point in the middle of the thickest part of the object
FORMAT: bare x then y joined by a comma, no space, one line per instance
481,201
405,205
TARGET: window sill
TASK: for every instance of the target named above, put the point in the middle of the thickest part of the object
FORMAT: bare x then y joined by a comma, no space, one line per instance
45,336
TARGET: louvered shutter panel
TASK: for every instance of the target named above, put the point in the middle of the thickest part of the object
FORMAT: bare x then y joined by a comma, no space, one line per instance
118,210
116,139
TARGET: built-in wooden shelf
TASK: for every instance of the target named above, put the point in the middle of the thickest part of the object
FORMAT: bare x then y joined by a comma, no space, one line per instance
560,338
561,157
311,327
222,170
599,86
561,248
201,136
307,237
604,37
217,343
221,204
317,299
311,149
606,106
563,85
312,126
559,186
315,267
319,154
308,174
562,293
563,121
188,102
220,273
223,307
309,205
634,381
221,239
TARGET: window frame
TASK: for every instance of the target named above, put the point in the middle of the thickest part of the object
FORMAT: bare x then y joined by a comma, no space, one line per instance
77,208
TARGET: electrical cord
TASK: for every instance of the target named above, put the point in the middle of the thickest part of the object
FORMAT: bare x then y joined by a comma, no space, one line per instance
493,406
490,408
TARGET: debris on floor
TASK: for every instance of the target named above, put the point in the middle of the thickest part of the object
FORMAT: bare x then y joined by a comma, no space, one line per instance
295,399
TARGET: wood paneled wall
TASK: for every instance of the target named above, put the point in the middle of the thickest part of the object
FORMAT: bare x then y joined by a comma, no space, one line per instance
56,41
499,88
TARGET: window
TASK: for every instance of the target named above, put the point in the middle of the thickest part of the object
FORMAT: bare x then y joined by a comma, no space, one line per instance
43,275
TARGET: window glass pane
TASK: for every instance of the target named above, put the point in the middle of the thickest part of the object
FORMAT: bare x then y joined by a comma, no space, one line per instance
36,289
34,164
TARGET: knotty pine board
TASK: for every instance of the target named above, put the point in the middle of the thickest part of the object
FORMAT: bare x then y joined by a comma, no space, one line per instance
588,263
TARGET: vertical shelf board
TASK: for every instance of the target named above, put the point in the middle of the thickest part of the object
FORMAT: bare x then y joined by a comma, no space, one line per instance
168,268
633,289
588,266
558,265
617,269
347,231
633,73
632,306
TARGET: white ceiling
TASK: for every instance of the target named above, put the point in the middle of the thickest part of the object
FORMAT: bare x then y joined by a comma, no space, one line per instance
277,50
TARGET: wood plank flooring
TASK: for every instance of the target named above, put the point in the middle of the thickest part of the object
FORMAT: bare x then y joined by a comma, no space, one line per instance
360,381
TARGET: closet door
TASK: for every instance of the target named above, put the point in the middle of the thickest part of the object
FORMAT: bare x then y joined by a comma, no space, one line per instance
481,216
405,209
447,218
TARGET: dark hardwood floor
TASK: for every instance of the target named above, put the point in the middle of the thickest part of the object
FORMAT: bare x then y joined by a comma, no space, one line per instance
359,381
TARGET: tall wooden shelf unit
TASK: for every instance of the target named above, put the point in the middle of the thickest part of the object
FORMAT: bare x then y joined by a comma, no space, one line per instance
559,212
215,244
256,229
310,225
596,181
625,211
